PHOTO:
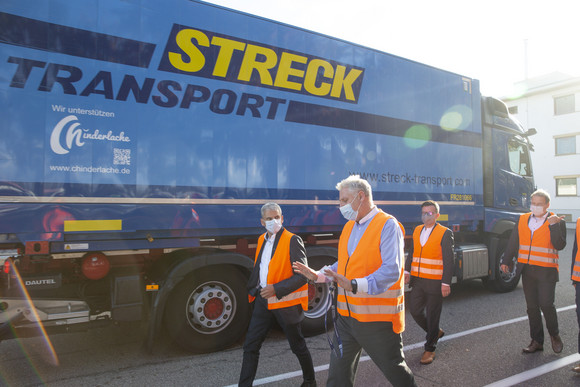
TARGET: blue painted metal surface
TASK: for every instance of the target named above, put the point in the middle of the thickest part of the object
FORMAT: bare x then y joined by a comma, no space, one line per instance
182,119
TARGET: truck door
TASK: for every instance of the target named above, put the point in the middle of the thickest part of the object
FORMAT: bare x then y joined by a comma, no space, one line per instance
513,181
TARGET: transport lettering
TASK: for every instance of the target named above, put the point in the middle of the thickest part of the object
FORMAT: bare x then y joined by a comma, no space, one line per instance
163,93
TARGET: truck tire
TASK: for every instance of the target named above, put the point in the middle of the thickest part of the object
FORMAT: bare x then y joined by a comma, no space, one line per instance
208,310
503,282
318,301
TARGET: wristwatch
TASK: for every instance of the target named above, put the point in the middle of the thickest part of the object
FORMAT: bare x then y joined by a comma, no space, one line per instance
354,286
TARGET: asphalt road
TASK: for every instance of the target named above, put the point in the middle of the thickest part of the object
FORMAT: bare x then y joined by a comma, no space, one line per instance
485,332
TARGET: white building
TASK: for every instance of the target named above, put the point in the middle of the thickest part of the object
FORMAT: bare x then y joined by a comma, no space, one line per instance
551,104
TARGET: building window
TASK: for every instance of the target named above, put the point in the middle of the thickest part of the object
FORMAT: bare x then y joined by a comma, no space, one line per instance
566,186
564,105
565,145
513,109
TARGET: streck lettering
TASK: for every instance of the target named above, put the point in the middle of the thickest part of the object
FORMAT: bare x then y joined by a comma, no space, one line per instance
211,55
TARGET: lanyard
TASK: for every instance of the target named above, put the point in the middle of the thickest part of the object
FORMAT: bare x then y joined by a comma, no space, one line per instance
337,352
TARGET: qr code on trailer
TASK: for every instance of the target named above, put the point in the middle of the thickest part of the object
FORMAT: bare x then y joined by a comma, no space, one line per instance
121,156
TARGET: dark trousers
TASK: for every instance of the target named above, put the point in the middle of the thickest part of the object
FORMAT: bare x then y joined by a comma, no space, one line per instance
384,347
578,312
425,305
260,324
540,297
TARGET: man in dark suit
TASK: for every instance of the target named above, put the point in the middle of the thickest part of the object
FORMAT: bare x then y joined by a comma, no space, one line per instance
428,270
279,294
534,243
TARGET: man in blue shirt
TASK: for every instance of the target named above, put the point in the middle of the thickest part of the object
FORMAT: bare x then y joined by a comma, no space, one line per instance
375,325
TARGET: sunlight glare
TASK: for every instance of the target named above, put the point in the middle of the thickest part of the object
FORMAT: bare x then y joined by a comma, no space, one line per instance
457,117
417,136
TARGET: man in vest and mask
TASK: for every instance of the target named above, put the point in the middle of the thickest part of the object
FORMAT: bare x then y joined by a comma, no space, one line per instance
428,271
370,300
535,242
279,294
576,281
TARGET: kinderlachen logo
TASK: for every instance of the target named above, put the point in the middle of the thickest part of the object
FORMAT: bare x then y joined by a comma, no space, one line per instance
68,133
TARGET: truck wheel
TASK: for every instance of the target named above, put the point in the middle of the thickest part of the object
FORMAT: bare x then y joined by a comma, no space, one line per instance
318,301
209,310
503,282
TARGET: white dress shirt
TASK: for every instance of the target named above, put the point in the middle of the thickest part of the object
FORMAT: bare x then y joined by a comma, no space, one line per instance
536,222
265,261
425,233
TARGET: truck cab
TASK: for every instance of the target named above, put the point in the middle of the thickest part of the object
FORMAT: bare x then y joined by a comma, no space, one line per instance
508,182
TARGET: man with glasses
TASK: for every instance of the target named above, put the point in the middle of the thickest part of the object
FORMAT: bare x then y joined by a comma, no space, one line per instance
428,272
370,300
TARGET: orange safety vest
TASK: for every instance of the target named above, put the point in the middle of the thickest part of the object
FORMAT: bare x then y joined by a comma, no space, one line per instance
576,270
428,259
279,269
366,259
537,249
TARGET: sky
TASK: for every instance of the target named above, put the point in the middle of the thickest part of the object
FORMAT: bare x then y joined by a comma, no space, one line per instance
498,42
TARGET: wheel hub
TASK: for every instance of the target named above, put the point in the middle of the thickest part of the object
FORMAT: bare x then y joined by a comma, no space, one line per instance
210,308
213,308
318,301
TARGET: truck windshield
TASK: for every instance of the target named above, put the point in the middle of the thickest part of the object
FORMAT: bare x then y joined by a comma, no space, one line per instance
519,158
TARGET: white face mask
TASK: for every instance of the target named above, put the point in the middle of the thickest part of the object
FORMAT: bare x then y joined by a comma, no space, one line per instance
273,226
537,210
348,212
428,217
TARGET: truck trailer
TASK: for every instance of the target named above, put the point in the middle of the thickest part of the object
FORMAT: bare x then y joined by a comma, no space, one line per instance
139,140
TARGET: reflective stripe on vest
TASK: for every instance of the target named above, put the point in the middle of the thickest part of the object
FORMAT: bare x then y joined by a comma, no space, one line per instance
279,269
576,270
368,304
428,259
366,259
536,249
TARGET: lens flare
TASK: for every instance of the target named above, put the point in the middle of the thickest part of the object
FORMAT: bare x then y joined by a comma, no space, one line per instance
458,117
417,136
53,358
520,89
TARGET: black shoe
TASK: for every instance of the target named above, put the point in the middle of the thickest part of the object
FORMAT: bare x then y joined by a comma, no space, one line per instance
308,383
557,344
533,347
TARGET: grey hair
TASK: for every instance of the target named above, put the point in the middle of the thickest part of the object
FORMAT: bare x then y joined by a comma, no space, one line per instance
354,184
270,206
541,193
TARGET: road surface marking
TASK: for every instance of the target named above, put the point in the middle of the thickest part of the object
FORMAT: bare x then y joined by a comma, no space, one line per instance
505,382
535,372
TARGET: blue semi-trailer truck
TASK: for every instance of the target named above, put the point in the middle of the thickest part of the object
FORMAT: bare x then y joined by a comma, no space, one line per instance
139,139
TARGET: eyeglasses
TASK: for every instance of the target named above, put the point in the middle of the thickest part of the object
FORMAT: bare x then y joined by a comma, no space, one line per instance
430,213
